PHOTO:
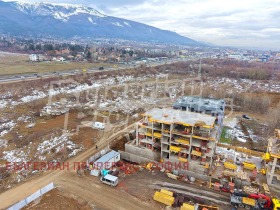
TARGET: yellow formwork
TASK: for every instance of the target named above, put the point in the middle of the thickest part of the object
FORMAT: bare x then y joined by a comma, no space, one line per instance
229,165
196,153
184,160
249,165
182,141
164,198
175,149
157,135
167,192
149,134
187,206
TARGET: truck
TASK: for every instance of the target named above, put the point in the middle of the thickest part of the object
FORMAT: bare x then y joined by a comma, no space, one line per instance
254,201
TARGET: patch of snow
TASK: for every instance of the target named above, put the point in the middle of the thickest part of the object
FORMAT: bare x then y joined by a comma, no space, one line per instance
90,20
117,24
126,23
6,127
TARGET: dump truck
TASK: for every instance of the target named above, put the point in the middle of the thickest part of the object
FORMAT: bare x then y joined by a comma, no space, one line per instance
254,201
243,202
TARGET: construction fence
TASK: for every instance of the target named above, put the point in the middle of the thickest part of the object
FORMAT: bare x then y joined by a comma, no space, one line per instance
32,197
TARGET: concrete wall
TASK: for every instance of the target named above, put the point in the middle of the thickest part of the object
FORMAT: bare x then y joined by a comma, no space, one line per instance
134,158
142,152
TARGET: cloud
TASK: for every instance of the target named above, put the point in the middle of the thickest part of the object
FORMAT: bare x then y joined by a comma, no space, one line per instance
230,22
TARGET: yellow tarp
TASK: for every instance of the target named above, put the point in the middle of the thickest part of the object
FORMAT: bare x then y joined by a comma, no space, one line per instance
163,198
175,149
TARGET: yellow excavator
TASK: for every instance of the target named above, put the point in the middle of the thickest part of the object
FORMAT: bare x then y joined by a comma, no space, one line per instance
276,204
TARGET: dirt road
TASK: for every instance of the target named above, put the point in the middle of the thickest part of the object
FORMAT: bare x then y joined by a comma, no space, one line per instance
68,181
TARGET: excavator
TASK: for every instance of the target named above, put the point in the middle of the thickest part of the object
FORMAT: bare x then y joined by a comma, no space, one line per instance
276,204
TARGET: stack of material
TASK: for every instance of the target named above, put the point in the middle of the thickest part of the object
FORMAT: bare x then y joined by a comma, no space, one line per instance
266,189
172,176
187,206
164,198
242,175
229,173
250,190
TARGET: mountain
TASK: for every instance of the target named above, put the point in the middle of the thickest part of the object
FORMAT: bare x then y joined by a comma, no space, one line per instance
68,21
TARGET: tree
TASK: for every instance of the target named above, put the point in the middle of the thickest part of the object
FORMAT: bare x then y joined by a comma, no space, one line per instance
38,47
31,47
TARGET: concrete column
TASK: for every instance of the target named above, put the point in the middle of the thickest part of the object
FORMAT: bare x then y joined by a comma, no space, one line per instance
270,178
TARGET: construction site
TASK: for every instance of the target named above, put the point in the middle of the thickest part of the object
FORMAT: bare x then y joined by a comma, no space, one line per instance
173,157
143,142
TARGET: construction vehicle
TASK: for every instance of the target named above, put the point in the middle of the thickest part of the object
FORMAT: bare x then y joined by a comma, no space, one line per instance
243,202
266,204
254,201
276,204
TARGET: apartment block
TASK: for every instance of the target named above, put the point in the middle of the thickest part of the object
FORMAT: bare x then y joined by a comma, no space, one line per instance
179,136
273,166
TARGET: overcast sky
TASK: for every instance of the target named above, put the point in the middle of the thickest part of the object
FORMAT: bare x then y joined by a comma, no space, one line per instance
248,23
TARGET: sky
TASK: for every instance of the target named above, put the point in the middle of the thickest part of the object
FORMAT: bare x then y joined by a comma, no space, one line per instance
239,23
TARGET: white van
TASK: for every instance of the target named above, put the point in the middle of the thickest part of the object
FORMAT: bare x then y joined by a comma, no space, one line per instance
110,180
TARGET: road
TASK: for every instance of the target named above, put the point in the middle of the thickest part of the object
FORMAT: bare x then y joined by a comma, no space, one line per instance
67,180
37,76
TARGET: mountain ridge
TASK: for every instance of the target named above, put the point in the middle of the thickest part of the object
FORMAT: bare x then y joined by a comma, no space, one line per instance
68,21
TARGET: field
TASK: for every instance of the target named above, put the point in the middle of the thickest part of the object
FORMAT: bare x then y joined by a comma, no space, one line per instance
19,64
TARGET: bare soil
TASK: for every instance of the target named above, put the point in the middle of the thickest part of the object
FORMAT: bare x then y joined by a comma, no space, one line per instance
56,200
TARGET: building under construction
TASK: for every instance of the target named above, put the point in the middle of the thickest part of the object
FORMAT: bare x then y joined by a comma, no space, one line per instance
214,107
176,136
273,165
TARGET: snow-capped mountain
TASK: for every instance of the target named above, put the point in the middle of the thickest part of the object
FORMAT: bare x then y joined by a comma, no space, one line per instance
67,21
58,11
